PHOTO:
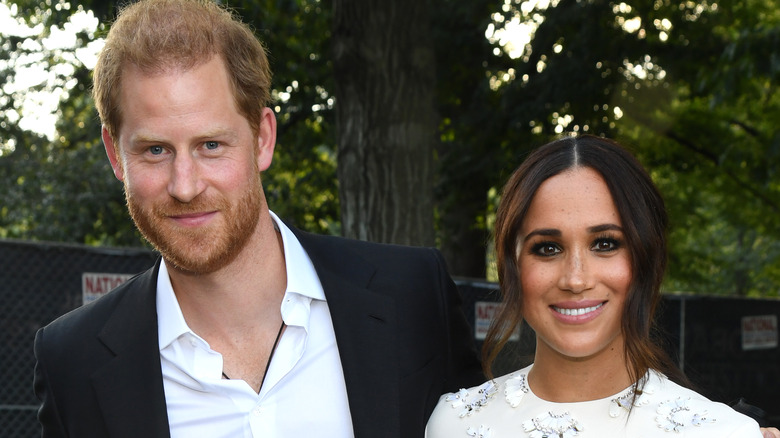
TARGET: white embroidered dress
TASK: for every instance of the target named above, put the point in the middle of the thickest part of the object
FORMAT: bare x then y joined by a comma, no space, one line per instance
506,407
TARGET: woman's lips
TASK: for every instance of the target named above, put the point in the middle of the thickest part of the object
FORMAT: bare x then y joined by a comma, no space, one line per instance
578,312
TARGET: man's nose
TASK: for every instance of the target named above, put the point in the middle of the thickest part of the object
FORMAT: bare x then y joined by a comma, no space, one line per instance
185,180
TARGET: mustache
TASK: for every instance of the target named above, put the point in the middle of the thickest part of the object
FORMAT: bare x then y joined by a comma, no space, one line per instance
200,204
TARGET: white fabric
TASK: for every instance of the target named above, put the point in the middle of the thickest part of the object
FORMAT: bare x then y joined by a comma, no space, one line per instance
304,390
487,411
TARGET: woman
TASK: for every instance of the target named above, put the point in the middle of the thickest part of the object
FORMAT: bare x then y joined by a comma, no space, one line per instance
580,240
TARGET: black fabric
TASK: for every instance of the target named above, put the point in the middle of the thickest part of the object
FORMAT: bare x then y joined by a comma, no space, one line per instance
402,337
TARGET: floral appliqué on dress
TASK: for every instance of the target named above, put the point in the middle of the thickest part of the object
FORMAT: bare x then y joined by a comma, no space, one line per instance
516,388
675,415
671,415
545,425
485,392
622,403
482,432
549,425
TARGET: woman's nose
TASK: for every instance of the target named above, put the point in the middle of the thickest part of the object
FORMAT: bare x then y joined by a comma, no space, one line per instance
575,277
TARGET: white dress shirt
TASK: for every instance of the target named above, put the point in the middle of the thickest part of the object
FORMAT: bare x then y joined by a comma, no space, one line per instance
303,393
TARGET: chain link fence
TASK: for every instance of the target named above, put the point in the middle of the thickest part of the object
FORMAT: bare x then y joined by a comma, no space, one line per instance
727,346
38,283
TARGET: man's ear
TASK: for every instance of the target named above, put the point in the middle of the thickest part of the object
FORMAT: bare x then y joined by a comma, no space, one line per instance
266,140
112,152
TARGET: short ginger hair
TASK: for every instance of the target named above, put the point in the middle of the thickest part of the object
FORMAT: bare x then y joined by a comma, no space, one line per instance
160,36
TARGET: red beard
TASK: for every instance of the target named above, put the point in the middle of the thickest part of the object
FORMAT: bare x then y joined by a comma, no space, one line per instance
198,250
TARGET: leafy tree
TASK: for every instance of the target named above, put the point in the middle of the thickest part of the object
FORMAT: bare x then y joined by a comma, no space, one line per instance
714,138
63,189
58,188
470,133
384,65
301,184
689,86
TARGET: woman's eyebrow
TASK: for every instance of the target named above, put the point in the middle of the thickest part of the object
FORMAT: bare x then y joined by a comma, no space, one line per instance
605,227
544,232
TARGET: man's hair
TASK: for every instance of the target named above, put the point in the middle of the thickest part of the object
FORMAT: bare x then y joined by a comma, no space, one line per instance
159,36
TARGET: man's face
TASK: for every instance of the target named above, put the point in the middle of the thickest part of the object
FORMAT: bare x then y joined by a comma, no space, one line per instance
190,165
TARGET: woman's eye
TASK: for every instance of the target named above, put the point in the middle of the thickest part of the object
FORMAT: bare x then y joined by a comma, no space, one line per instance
156,150
604,245
211,145
546,249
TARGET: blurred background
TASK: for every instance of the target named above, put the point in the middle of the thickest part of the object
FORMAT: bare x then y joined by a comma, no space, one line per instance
400,121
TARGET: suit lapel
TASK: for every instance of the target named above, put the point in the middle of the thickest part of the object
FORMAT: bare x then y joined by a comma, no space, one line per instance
135,373
366,335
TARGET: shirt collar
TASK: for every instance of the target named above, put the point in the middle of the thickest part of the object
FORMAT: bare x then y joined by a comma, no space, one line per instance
170,321
302,278
302,281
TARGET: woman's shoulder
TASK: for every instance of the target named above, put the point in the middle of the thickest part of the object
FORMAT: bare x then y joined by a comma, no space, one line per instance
678,409
459,413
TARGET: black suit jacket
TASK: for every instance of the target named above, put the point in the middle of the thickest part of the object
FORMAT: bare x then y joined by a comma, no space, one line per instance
402,338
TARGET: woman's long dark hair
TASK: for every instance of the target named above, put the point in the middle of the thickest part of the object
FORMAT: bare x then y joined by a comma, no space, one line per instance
644,219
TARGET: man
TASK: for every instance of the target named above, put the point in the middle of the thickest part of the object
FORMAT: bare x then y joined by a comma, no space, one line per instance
246,327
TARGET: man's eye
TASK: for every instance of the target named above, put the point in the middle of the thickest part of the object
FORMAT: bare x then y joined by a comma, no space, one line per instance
211,145
156,150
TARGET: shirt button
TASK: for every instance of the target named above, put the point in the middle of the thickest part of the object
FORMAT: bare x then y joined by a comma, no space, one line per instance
257,411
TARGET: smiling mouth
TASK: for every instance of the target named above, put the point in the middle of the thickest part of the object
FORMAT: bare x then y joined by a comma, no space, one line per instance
188,215
577,312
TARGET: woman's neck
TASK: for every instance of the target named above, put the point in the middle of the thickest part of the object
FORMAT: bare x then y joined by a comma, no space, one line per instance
558,378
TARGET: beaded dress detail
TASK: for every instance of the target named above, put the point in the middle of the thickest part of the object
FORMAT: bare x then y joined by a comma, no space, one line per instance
660,409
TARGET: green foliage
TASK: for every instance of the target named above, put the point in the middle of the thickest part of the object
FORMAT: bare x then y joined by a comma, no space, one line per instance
691,87
60,188
63,189
301,185
692,90
712,141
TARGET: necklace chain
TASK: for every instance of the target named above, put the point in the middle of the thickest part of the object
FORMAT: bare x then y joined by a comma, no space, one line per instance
270,356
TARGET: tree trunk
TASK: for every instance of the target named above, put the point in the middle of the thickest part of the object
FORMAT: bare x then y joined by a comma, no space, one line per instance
463,239
384,70
473,129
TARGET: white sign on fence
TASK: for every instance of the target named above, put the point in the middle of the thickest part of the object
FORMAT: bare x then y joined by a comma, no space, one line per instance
484,311
94,285
759,332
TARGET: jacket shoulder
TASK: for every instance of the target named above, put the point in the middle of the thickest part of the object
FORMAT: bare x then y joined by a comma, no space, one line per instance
324,246
87,320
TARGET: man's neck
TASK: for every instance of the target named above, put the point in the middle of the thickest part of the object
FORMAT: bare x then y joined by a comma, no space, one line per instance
236,297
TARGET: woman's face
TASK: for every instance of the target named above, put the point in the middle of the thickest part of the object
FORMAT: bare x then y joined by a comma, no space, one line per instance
575,268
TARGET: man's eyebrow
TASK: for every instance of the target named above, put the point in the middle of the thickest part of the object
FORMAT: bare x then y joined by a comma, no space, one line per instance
143,138
217,132
151,138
